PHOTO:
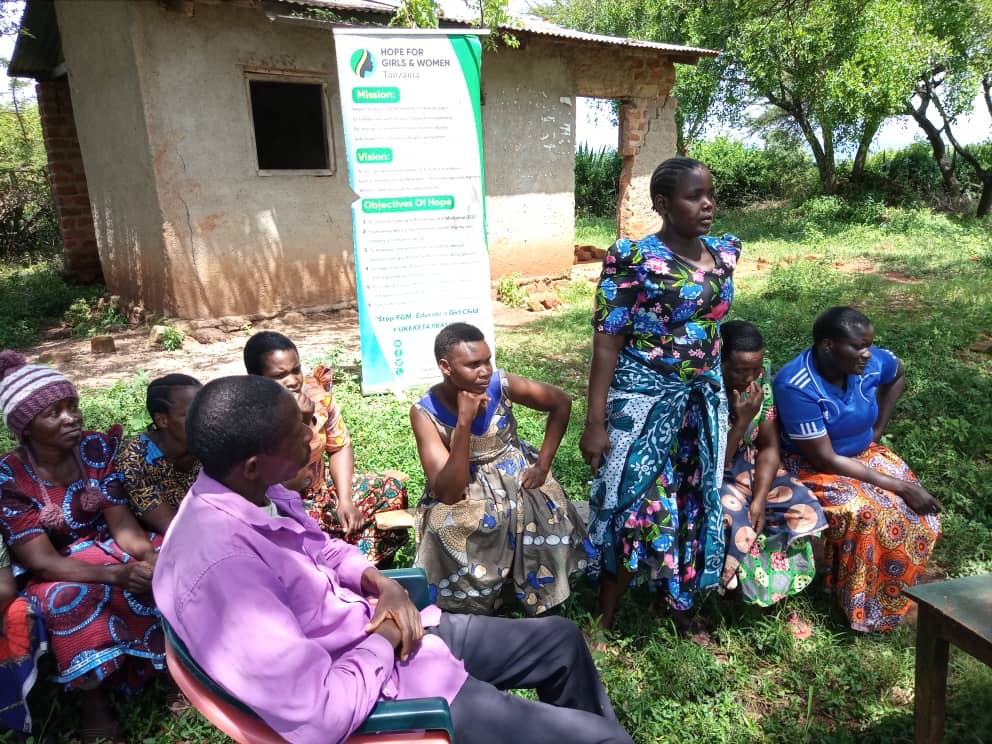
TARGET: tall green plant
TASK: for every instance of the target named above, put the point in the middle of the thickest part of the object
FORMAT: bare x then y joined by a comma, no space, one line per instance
597,176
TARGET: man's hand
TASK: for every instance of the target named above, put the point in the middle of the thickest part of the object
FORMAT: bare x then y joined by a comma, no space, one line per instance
349,516
395,608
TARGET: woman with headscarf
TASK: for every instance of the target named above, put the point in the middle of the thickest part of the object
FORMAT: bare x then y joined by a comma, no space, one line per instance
89,563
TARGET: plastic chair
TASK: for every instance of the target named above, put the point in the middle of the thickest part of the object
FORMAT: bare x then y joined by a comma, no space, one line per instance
424,720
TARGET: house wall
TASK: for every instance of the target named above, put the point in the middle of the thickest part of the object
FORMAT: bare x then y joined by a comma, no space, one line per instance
528,121
185,222
107,107
67,177
239,242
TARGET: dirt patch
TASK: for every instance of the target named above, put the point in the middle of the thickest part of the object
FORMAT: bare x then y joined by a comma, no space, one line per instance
898,276
313,334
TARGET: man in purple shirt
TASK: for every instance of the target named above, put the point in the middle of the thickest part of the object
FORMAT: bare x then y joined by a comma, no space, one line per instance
275,611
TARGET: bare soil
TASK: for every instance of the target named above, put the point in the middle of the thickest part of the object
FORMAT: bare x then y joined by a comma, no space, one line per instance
315,335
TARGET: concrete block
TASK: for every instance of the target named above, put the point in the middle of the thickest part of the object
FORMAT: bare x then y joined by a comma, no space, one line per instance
102,345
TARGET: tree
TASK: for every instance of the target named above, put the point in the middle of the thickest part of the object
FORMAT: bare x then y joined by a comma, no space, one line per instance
670,21
837,68
492,14
957,70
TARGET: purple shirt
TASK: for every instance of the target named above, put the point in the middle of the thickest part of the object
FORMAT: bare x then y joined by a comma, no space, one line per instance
272,609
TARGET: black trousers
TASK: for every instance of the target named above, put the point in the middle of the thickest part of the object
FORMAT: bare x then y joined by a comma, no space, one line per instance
546,654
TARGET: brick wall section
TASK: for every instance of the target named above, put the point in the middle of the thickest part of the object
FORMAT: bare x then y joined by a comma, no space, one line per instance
647,137
68,181
642,80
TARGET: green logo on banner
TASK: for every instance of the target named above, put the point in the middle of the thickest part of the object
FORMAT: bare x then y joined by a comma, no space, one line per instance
374,155
363,63
407,203
376,95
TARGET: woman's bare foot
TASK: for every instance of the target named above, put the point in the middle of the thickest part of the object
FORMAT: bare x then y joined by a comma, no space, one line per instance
97,723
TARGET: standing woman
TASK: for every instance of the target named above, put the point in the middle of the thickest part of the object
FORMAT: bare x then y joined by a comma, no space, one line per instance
656,409
89,563
156,466
835,400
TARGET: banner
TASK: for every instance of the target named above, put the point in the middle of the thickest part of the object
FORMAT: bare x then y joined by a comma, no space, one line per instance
413,135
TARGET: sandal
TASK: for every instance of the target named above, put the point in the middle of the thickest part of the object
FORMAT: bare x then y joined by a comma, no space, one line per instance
102,735
799,628
177,703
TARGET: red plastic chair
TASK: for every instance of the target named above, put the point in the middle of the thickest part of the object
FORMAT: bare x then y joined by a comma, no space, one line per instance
424,720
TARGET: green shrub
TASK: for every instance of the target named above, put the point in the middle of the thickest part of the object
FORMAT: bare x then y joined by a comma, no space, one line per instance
91,318
744,174
28,224
29,297
509,293
172,338
597,178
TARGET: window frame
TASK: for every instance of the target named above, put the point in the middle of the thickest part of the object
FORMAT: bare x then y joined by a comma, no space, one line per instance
307,78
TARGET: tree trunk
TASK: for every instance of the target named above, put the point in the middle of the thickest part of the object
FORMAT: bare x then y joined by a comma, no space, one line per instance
823,153
944,164
861,156
985,202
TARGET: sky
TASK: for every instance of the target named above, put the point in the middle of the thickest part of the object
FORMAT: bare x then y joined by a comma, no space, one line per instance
594,128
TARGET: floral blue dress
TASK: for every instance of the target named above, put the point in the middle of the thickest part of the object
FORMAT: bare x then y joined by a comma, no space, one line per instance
655,502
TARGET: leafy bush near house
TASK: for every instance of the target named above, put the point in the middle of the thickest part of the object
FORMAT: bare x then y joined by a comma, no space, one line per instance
744,174
30,297
597,178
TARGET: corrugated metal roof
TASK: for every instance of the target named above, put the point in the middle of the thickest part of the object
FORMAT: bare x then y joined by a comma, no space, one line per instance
368,6
38,50
528,24
542,27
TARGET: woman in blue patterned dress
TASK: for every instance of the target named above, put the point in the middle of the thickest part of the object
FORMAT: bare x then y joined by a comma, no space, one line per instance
656,409
493,514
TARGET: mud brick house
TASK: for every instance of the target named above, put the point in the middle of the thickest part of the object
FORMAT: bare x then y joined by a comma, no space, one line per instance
172,183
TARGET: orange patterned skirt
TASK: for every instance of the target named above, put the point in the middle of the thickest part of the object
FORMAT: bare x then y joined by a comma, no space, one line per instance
372,494
876,545
22,641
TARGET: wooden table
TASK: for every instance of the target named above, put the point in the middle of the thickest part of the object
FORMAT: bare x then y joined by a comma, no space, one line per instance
958,611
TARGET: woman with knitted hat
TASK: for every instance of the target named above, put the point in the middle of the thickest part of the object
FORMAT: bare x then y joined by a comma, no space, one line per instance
66,520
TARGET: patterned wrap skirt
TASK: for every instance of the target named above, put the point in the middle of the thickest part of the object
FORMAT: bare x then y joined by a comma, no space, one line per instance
655,507
372,494
779,561
96,630
876,545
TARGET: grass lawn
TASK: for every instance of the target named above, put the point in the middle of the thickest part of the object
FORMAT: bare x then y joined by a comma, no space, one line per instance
925,282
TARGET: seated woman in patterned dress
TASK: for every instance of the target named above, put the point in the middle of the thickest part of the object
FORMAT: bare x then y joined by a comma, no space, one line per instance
771,515
89,563
156,465
22,641
835,400
343,504
492,514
